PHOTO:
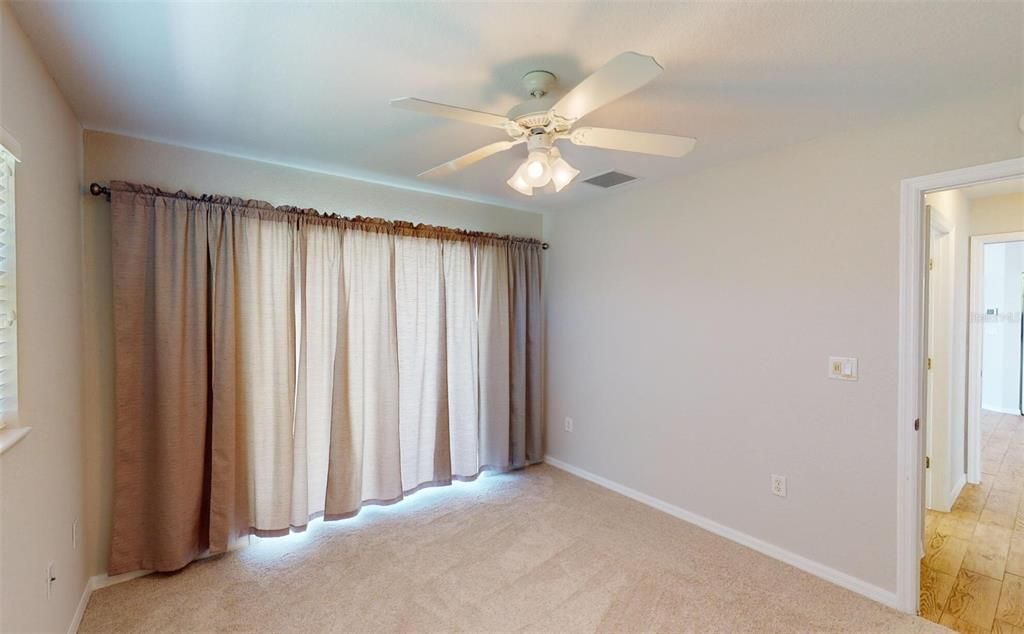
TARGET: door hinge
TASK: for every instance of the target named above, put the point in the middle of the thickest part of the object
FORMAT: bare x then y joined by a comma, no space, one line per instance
917,424
929,363
931,264
927,462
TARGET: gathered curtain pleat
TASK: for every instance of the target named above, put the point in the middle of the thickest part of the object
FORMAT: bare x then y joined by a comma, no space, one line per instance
274,366
253,372
526,361
365,460
422,362
321,307
493,354
161,340
461,357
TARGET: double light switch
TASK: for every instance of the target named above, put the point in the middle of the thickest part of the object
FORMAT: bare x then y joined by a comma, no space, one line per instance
842,368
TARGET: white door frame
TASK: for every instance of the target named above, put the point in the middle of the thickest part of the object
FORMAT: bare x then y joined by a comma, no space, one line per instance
974,347
909,461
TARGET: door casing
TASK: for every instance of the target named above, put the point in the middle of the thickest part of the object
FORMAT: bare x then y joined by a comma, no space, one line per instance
911,360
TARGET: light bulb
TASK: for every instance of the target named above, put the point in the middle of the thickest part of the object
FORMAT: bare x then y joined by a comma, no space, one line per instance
518,182
534,169
538,171
562,173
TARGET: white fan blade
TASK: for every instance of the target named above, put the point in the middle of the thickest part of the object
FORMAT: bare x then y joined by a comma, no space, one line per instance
619,77
451,112
629,141
466,160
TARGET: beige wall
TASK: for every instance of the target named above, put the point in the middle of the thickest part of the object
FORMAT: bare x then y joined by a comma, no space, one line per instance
997,214
690,322
112,157
42,476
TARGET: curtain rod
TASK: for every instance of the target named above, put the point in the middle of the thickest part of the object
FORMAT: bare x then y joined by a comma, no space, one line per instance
99,190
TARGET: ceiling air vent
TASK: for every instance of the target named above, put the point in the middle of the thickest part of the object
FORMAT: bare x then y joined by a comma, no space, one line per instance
610,179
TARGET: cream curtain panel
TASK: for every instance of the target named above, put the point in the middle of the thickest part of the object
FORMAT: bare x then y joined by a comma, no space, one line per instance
274,365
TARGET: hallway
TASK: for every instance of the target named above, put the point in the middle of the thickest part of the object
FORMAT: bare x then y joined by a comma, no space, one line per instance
972,573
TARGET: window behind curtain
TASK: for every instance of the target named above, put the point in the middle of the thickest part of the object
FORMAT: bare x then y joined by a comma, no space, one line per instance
8,297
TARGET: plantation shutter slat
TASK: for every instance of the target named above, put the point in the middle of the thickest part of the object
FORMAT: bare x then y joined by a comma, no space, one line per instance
8,310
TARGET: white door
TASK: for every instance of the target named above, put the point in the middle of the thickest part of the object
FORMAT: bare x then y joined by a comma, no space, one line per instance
938,366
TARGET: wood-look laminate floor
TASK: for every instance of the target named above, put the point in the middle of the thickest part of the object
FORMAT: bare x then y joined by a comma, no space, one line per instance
972,573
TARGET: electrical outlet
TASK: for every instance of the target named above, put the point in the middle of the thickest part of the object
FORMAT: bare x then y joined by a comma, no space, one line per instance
779,485
74,535
51,576
568,424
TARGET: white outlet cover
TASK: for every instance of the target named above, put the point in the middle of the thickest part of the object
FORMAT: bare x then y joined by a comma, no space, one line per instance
568,424
779,485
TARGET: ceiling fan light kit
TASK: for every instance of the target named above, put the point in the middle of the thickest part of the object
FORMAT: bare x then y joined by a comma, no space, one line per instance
538,171
561,172
542,120
518,182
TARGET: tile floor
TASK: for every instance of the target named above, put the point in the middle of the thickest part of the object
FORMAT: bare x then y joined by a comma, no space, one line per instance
972,573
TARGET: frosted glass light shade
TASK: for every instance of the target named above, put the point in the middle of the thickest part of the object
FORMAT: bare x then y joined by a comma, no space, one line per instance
518,182
537,169
562,173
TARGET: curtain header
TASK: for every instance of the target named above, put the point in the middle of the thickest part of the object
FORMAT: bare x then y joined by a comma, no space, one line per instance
309,215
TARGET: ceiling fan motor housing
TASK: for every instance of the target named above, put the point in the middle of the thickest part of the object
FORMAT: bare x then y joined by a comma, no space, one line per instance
533,113
539,82
539,141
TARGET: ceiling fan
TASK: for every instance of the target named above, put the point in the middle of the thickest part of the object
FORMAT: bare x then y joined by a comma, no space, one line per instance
545,118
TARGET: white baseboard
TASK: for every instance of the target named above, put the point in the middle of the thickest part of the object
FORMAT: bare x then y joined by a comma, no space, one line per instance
1012,412
815,568
76,620
102,581
95,583
944,503
955,492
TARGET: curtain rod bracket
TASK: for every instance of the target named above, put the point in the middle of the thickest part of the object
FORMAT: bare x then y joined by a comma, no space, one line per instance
99,190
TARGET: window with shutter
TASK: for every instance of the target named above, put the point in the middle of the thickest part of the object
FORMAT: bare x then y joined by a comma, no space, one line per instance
8,297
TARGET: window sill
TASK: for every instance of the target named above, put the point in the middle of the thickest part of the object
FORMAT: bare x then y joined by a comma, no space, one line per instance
10,436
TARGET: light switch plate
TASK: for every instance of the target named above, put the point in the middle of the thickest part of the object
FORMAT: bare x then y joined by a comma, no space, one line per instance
842,368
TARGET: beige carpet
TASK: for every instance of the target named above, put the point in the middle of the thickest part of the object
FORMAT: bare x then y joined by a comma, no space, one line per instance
537,550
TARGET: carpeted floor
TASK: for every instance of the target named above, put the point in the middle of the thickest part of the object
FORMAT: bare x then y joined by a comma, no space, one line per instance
537,550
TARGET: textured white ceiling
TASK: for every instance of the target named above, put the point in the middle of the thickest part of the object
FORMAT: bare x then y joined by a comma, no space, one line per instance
308,84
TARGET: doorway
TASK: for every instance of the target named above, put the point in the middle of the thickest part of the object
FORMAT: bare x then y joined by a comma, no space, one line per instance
1000,262
967,461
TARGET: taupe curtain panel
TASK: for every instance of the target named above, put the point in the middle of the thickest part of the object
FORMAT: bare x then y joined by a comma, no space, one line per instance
274,365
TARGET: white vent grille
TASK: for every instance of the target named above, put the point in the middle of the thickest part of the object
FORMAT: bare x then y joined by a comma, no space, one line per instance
8,294
610,179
